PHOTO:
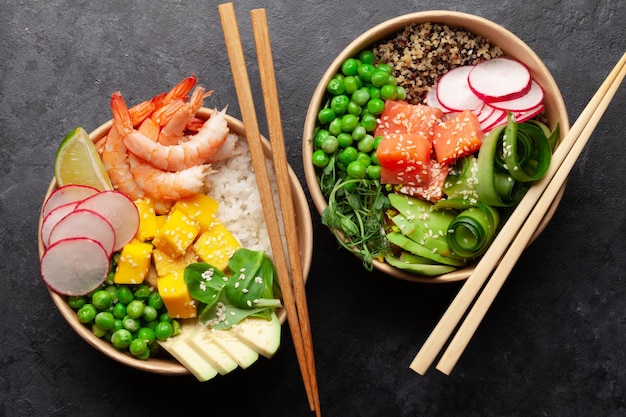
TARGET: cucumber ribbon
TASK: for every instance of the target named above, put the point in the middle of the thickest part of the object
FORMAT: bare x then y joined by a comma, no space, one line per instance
511,157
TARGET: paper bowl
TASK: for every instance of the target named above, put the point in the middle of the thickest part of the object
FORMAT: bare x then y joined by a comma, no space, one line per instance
499,36
164,364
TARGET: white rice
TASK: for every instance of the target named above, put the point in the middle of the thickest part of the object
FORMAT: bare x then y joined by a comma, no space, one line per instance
234,187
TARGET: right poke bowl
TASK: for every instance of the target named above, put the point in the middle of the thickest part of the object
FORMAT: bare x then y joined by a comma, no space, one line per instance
422,137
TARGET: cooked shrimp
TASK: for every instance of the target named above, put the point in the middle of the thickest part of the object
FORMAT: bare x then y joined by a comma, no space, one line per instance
175,120
164,185
195,150
114,152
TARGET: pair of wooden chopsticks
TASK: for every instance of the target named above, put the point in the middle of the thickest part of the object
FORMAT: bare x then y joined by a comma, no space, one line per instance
515,235
293,291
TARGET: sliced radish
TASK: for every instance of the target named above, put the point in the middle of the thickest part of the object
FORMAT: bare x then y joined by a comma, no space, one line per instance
431,100
528,101
497,117
529,114
484,113
84,223
74,266
119,210
53,218
453,90
67,194
499,79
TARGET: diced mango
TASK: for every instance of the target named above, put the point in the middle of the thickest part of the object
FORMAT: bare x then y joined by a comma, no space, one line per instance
216,245
165,264
175,295
199,207
177,234
160,220
134,263
147,220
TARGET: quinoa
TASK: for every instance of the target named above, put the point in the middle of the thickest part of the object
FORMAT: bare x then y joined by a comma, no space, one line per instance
422,52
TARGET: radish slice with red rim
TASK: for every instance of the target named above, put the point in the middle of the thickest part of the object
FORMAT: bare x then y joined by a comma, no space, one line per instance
53,218
485,112
84,223
528,101
453,90
67,194
119,210
499,79
430,99
529,114
497,117
74,266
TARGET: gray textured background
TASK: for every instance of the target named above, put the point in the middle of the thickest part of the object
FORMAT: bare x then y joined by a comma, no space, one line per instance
553,342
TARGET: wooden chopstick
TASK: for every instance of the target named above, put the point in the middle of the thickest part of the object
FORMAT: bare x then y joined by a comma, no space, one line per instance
263,44
581,130
244,95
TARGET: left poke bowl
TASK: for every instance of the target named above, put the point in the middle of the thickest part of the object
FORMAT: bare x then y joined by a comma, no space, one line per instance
164,361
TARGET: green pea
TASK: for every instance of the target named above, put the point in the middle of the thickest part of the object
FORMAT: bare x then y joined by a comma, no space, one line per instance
119,310
376,106
344,139
339,104
124,294
356,169
131,324
379,78
401,93
137,347
135,309
388,92
117,325
330,144
349,122
98,331
112,289
350,84
358,133
392,80
374,159
366,71
155,300
142,292
101,300
76,301
105,320
373,172
369,122
176,326
366,144
149,313
163,330
367,57
335,127
325,115
121,339
317,142
335,86
147,334
349,154
320,159
87,313
354,108
144,356
165,317
374,92
384,67
361,96
364,158
377,140
350,66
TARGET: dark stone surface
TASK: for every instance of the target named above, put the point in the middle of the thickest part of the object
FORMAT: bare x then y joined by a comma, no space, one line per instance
552,343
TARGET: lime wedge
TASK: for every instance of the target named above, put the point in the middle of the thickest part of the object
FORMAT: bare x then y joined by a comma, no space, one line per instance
77,162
